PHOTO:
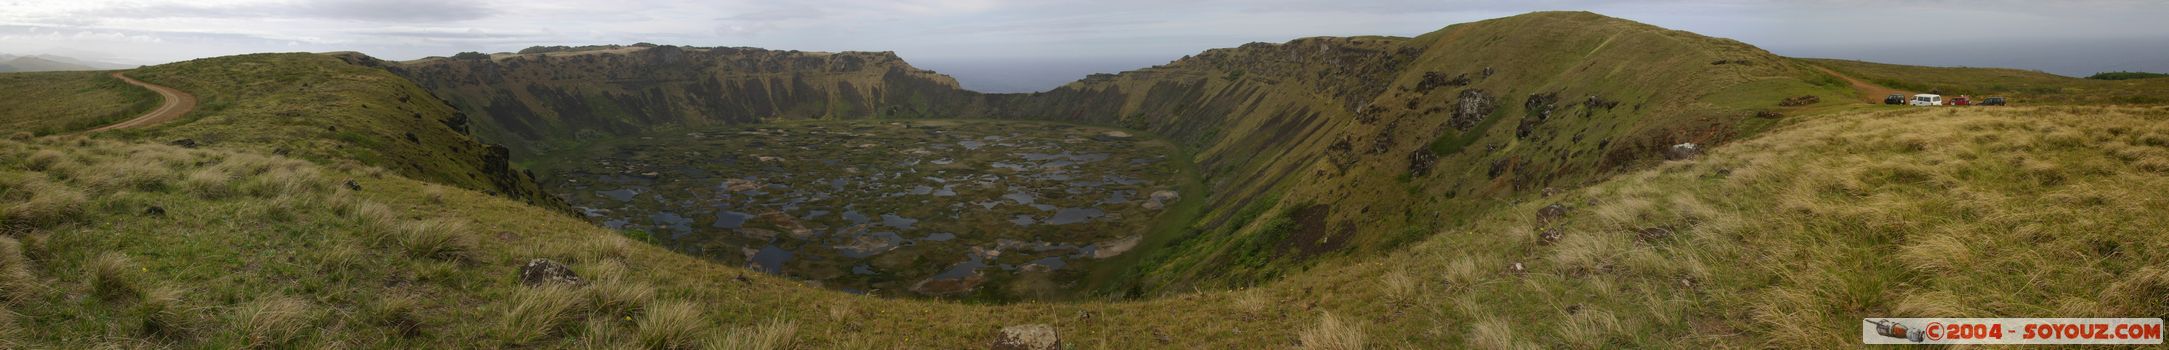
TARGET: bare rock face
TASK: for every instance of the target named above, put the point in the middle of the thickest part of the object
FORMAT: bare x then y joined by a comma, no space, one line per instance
1471,108
1027,337
543,271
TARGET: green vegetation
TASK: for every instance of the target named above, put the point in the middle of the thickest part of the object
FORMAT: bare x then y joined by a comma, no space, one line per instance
2021,86
2121,75
1782,235
49,103
320,108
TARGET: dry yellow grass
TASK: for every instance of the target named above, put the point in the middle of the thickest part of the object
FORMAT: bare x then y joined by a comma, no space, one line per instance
271,322
1784,240
1333,333
768,335
671,325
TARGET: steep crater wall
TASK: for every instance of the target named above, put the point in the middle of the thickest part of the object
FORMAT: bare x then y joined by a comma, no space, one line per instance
1309,149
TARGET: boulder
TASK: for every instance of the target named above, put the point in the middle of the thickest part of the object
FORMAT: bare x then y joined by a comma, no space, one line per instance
1549,236
1682,151
543,271
1027,337
1550,213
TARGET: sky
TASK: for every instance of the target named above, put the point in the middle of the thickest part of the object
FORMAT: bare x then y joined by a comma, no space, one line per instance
1010,46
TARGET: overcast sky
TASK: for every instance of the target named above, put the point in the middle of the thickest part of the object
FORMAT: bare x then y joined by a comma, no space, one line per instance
997,45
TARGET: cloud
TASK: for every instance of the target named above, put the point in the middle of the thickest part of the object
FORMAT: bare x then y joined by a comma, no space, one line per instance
395,11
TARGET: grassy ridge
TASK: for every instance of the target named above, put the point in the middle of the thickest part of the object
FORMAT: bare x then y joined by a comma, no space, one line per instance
49,103
2022,86
265,251
320,108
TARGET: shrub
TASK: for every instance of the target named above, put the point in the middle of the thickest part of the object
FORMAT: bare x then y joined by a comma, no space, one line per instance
670,325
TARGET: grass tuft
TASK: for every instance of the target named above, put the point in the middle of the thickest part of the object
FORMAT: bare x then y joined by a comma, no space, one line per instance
770,335
114,277
671,325
17,283
537,313
47,205
271,322
441,239
1334,334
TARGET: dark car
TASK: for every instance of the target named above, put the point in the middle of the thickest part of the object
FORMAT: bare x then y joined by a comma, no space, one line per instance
1993,101
1894,99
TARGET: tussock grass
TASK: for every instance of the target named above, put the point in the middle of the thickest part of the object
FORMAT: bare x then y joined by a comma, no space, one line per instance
397,313
113,276
208,183
768,335
613,293
533,314
164,314
671,325
1333,333
43,160
442,239
17,282
41,204
271,322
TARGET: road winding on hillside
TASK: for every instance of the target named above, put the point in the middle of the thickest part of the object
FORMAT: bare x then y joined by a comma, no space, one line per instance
1868,92
177,104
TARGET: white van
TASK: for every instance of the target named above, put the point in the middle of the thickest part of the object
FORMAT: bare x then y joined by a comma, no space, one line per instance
1927,100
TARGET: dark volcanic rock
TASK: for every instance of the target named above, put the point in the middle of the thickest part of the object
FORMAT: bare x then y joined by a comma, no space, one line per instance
1471,108
1801,100
1420,163
1549,236
541,271
1550,213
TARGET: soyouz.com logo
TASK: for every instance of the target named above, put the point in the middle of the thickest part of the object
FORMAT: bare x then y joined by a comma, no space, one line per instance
2146,331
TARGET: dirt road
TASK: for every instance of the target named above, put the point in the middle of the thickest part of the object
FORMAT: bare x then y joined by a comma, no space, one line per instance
1869,92
177,104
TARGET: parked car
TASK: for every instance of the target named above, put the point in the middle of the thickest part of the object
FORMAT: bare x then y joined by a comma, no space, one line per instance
1894,99
1993,101
1961,100
1927,100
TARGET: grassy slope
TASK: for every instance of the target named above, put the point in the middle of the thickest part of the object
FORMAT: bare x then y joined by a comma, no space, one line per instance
2022,86
55,102
1949,204
1783,240
1266,119
322,109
